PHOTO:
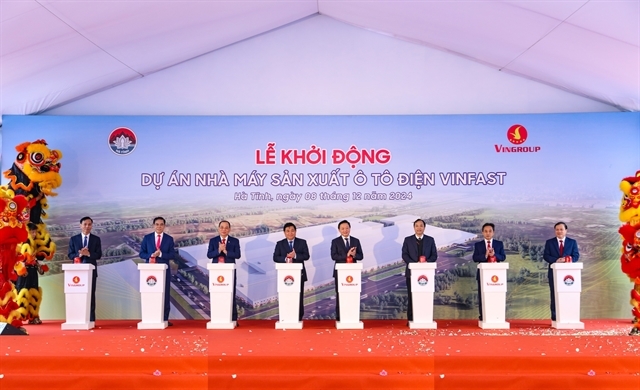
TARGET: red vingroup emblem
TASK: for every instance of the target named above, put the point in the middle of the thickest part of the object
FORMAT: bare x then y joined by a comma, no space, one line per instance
568,280
495,279
151,281
122,141
220,279
422,280
288,280
349,279
517,134
76,279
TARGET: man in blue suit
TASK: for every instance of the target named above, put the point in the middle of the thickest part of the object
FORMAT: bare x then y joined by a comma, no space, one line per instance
487,251
159,246
344,249
225,249
88,248
293,250
560,249
417,248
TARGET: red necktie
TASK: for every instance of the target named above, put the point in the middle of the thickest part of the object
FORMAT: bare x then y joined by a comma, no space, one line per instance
221,257
158,242
488,245
561,248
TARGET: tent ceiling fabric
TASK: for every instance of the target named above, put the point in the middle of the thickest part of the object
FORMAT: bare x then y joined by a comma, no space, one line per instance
55,52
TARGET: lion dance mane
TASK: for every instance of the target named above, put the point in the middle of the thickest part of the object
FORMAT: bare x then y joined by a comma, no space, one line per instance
630,232
33,176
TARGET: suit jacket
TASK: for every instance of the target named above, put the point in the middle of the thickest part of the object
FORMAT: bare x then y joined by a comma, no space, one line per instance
410,251
302,253
233,249
339,252
167,248
552,250
94,245
480,252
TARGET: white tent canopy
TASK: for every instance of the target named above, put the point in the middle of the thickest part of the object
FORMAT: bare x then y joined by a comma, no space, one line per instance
582,54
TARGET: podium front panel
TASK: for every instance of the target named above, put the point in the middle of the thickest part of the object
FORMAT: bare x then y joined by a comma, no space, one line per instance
422,277
349,281
77,278
289,281
567,279
152,277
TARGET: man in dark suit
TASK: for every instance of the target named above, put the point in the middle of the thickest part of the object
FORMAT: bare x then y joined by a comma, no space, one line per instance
344,249
487,251
159,246
88,248
225,249
560,249
293,250
417,248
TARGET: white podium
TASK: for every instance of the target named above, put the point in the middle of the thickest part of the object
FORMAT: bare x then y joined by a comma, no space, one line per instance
493,283
152,280
289,277
422,290
349,287
78,280
221,294
567,279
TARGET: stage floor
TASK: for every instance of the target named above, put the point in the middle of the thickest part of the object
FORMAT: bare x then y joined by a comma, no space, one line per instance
386,354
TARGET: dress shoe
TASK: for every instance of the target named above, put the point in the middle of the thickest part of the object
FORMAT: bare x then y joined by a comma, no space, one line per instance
169,323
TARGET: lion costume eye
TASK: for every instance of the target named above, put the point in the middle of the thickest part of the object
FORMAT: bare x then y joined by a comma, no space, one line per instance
36,158
12,206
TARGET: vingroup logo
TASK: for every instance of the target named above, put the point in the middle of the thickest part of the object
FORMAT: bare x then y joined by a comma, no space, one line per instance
288,280
495,278
220,279
422,280
517,135
122,141
76,279
568,280
349,279
151,281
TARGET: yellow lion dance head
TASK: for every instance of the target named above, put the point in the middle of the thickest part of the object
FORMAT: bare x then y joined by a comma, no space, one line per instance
630,207
39,164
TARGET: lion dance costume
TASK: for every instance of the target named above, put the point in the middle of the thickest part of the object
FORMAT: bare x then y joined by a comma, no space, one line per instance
14,214
630,232
34,175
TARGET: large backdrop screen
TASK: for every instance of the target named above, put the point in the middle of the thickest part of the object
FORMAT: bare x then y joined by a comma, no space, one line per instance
521,172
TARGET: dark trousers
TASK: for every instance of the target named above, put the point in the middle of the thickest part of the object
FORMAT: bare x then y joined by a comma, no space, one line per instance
479,295
553,295
410,303
167,293
301,310
234,308
335,280
92,310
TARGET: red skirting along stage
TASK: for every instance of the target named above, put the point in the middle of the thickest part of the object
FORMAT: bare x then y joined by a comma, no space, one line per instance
386,354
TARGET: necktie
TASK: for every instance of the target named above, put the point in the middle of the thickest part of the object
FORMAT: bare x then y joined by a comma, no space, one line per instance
488,245
86,239
290,245
346,244
561,248
158,242
224,241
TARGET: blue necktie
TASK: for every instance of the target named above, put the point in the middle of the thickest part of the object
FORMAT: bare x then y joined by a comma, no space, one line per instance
290,245
85,242
346,240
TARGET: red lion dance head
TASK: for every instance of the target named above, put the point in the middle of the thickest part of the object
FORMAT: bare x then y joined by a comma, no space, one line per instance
14,216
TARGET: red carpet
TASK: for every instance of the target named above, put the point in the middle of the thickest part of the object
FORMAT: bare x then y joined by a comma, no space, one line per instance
386,354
